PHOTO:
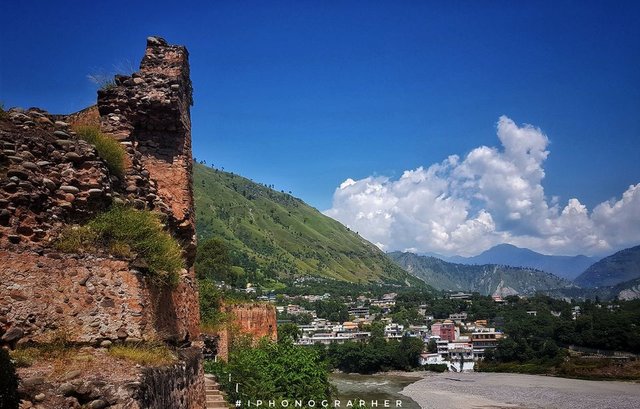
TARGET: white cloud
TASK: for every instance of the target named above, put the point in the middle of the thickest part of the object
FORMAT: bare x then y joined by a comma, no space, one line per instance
492,196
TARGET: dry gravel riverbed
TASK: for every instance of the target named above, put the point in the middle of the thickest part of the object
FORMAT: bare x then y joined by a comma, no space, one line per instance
502,390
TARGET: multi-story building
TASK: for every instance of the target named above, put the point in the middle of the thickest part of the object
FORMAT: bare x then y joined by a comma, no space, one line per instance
460,296
459,317
445,330
393,331
333,337
359,311
485,339
460,356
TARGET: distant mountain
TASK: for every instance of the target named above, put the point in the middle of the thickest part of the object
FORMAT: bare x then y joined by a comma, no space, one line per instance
486,279
628,290
568,267
617,268
273,235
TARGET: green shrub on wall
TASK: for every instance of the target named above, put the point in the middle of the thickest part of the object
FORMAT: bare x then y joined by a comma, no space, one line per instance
108,148
126,232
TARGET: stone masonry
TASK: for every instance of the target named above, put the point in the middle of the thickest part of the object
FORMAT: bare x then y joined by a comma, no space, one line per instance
50,180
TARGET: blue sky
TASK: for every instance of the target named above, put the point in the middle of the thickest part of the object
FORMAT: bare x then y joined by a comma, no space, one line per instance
306,94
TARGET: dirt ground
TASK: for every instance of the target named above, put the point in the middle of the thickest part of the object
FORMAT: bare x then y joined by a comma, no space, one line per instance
502,390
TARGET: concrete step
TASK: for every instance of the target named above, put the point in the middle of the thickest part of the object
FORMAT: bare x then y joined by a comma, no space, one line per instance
216,405
214,398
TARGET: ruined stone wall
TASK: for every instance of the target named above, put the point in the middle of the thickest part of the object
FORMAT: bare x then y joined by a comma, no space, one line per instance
176,387
91,299
85,117
150,111
50,180
257,320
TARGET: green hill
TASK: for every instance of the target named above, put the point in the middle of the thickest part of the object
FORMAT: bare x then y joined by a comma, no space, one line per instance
274,236
487,279
617,268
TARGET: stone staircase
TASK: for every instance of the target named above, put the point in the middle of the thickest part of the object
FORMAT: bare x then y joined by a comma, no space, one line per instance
214,399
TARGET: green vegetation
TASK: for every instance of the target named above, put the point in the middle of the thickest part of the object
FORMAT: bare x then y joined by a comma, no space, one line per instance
612,326
211,317
3,113
609,326
144,354
9,398
301,319
273,237
331,310
76,239
108,148
57,347
24,357
214,263
126,232
343,289
272,371
375,355
288,331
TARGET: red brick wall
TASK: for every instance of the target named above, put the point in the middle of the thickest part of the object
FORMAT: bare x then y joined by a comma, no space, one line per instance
255,319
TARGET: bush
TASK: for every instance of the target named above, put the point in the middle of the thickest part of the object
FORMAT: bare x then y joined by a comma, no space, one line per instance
376,354
210,302
273,371
108,148
8,382
123,231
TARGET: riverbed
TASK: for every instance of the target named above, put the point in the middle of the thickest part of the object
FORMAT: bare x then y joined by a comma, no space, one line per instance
503,390
379,387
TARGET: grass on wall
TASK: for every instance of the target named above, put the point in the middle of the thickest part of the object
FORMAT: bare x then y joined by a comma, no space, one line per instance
125,232
144,354
108,148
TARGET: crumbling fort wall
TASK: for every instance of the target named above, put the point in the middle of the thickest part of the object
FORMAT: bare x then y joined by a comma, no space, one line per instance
50,180
257,320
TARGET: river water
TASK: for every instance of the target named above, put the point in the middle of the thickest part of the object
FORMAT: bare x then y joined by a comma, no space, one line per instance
379,387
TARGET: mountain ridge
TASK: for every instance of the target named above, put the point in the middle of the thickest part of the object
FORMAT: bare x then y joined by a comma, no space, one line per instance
273,235
568,267
488,279
617,268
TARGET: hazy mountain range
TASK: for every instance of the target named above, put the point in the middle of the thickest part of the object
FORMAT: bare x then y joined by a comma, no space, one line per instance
610,271
615,276
568,267
487,279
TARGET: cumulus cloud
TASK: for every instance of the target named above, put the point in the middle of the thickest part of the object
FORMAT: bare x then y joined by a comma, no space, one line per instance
491,196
